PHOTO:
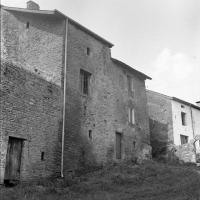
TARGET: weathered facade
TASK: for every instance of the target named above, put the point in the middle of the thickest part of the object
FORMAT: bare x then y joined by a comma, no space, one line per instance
52,67
173,122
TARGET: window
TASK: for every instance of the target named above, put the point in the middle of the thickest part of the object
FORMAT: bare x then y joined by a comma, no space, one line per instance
42,156
84,82
118,145
130,85
27,25
131,116
90,134
184,139
88,51
183,118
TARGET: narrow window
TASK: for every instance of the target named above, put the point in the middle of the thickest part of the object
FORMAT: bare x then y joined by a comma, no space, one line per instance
88,51
131,116
130,85
90,134
184,139
183,118
42,156
27,25
84,82
134,142
118,145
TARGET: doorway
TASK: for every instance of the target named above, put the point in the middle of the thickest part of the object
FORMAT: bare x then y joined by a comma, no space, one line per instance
13,159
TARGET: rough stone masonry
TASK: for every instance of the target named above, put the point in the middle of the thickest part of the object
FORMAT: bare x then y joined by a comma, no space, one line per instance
106,120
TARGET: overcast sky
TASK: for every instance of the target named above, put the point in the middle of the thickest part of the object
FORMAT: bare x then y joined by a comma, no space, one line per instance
158,37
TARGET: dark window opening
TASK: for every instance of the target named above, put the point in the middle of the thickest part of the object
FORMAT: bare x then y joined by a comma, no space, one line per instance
134,142
84,82
88,51
42,156
27,25
90,134
183,118
118,145
182,106
184,139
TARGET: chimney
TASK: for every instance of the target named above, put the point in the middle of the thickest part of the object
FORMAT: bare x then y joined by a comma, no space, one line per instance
198,103
31,5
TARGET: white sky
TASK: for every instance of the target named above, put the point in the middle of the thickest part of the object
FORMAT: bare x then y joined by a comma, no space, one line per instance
158,37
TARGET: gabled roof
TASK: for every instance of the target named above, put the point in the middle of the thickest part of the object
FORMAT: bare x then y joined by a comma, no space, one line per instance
58,14
127,67
176,99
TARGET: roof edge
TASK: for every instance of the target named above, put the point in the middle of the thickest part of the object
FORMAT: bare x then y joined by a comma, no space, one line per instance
60,14
185,102
130,68
175,99
158,93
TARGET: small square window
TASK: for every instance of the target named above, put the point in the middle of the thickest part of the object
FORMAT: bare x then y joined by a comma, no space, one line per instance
183,118
84,82
184,139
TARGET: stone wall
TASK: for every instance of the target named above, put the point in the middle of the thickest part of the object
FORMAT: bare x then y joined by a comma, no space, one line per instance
31,106
160,118
39,48
30,110
33,45
105,110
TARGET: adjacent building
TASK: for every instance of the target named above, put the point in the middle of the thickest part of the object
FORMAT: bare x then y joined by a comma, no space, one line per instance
173,122
65,103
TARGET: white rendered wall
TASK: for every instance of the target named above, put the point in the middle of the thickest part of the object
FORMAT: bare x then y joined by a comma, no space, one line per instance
178,128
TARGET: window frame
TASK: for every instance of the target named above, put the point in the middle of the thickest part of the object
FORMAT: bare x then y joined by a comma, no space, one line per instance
131,116
183,118
184,138
84,80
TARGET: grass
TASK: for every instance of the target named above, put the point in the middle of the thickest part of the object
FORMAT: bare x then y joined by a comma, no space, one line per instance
148,181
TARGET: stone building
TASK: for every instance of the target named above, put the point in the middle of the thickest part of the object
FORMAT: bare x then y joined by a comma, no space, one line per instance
65,103
173,122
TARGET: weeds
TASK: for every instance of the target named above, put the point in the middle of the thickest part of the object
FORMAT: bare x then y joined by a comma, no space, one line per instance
148,181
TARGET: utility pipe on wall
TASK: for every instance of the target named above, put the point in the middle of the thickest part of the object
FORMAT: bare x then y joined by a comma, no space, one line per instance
64,99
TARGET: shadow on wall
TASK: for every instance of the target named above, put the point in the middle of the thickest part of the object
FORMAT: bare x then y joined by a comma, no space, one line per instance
32,110
164,150
158,138
78,154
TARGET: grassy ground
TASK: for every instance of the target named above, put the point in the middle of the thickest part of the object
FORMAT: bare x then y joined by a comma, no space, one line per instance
149,181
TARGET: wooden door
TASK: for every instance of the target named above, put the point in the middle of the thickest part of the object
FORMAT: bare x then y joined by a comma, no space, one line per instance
118,145
13,159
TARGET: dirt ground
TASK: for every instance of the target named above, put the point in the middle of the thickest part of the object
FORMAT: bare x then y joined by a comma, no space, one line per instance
148,181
